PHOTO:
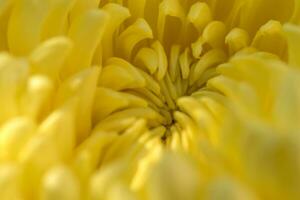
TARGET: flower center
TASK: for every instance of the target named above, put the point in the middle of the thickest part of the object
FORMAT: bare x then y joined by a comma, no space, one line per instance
151,69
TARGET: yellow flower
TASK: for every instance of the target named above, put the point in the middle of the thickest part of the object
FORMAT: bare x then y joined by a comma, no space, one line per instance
149,99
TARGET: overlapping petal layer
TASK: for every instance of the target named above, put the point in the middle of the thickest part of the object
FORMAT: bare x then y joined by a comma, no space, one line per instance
149,99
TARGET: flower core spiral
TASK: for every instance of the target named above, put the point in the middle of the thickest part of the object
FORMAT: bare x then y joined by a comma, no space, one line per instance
149,99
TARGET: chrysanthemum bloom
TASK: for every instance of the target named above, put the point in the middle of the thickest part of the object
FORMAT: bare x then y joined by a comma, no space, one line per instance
149,99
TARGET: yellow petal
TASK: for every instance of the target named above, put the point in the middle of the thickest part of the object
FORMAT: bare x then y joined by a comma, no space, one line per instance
60,127
117,15
255,13
270,38
57,20
81,86
199,15
237,39
82,6
177,185
90,25
59,183
134,34
293,33
25,26
13,76
14,136
10,182
36,101
147,59
126,74
48,58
